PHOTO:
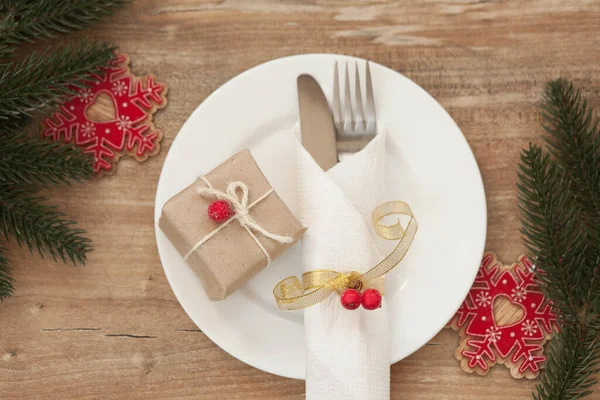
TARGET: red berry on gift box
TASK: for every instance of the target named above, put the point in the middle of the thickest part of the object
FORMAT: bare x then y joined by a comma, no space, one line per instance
220,211
371,299
351,299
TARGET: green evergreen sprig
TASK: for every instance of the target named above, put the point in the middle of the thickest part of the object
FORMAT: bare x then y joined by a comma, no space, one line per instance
35,161
44,79
558,197
40,227
574,139
28,87
571,366
6,280
551,228
27,21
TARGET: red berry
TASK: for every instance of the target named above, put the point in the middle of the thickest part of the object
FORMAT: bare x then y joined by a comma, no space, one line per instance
351,299
220,211
371,299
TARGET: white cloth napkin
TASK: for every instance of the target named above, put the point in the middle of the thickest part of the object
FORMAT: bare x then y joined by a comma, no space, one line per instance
348,352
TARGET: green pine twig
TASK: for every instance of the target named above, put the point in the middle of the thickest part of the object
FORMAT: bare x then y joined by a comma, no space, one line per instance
6,280
37,161
27,21
13,125
573,140
559,199
39,226
44,79
554,235
573,356
550,227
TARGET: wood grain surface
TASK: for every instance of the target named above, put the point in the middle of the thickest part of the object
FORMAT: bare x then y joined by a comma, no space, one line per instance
114,330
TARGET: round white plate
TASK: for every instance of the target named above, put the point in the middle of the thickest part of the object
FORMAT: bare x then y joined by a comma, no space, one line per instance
430,165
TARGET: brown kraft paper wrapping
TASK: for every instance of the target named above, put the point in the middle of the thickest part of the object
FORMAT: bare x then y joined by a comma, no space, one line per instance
230,258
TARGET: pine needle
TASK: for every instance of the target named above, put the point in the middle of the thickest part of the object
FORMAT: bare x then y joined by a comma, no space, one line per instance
37,161
40,227
44,79
574,141
573,356
550,228
6,281
27,21
559,199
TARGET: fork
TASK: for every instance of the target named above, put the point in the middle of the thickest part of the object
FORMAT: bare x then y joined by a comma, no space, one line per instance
355,126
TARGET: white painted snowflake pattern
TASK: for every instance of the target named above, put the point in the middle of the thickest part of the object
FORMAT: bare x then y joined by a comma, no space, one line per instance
119,88
483,299
85,95
492,334
88,130
529,328
124,123
518,294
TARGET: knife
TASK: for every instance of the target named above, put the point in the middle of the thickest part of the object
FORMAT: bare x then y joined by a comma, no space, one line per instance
316,122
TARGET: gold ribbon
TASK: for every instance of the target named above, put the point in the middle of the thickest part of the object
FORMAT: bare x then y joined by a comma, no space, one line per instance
316,286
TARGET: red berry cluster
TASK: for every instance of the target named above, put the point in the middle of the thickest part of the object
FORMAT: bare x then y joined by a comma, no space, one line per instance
352,299
220,211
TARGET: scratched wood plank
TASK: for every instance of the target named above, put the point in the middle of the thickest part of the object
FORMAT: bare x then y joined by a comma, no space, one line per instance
114,330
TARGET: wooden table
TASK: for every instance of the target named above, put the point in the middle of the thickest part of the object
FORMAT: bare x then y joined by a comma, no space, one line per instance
114,330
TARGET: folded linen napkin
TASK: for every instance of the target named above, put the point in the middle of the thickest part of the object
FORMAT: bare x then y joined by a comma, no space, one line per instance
348,352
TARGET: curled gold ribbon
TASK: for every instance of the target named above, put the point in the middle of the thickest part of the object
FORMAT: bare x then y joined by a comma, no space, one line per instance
316,286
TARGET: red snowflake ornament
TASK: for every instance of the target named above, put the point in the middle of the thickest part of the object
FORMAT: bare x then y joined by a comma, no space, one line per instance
504,319
112,117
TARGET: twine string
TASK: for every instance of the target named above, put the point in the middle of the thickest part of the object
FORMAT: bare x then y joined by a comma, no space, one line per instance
242,215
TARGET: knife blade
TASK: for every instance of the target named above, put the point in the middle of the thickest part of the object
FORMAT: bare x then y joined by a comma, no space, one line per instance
316,122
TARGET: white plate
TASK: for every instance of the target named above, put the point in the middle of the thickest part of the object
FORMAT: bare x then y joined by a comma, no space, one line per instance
430,166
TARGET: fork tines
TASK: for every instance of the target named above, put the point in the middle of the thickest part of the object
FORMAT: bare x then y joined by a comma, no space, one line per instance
352,120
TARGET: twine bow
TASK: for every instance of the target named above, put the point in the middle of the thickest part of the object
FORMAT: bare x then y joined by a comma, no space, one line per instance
242,215
316,286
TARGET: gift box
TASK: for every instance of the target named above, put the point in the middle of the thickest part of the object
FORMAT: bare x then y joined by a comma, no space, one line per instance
226,254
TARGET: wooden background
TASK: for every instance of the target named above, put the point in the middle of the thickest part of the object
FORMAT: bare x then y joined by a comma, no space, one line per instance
114,330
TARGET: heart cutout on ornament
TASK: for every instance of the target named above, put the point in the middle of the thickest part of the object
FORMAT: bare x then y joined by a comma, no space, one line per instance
102,109
507,313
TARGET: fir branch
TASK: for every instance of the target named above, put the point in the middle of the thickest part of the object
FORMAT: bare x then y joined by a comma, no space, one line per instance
40,227
27,21
36,161
573,357
6,281
551,230
574,141
44,79
560,203
11,126
554,235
